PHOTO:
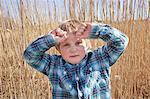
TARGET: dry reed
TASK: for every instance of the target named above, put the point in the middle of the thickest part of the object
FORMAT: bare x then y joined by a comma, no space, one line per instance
130,78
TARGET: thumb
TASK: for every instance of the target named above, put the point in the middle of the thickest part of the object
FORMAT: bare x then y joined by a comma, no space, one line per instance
62,39
88,27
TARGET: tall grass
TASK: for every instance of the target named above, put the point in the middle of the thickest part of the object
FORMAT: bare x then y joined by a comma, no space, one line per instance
130,77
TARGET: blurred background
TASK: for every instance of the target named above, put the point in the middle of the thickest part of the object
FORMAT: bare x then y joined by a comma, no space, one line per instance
22,21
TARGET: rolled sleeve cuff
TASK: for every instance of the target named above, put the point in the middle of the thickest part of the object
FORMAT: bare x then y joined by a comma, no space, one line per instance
51,41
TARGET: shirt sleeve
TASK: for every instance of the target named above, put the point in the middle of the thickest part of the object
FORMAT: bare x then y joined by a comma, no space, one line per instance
115,39
35,54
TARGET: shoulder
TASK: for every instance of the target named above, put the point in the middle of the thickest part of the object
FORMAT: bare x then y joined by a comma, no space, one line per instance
98,54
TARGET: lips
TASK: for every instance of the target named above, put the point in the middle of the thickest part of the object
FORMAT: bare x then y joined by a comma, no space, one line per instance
74,55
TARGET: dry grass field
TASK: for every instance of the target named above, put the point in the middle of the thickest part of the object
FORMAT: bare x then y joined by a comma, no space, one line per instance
130,76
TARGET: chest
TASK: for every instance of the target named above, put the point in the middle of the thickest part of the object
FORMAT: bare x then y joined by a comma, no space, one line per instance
87,76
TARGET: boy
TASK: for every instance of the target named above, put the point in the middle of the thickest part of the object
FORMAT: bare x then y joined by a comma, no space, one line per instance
77,73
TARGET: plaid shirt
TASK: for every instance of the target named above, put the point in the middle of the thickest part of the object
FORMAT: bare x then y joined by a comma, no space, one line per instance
87,80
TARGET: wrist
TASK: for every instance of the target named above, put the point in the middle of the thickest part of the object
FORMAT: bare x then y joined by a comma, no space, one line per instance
99,30
52,40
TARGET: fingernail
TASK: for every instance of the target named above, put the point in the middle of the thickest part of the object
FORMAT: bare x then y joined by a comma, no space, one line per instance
84,24
64,32
78,33
81,30
58,30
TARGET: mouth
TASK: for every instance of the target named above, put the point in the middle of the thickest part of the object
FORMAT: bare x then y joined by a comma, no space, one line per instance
72,56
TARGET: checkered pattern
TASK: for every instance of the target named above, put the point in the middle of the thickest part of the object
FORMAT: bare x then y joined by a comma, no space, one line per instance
87,80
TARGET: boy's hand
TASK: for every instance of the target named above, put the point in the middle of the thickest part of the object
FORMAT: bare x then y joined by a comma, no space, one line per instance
84,30
59,35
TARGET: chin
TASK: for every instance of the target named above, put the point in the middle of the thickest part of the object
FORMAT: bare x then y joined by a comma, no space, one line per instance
75,62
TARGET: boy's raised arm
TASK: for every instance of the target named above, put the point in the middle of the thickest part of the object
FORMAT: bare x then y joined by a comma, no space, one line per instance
35,54
116,42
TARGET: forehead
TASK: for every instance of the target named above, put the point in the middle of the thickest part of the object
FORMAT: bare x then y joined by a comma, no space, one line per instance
72,39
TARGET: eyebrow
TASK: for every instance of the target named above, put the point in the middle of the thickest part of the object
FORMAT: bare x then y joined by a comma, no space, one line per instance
64,43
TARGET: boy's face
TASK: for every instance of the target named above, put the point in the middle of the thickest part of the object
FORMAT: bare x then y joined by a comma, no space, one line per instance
73,50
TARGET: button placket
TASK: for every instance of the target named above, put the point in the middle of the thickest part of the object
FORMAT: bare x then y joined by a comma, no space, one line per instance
80,94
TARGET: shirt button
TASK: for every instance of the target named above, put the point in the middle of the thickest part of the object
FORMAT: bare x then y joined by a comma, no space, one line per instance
64,72
77,78
90,69
70,86
80,94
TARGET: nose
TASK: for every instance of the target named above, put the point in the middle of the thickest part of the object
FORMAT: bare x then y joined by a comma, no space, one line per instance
73,49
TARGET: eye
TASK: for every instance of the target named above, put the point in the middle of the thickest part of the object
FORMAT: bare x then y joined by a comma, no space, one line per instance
78,42
66,45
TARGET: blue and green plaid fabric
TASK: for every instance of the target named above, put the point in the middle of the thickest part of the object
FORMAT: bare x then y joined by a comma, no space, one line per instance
90,79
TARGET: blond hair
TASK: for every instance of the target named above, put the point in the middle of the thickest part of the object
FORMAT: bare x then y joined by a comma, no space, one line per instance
70,25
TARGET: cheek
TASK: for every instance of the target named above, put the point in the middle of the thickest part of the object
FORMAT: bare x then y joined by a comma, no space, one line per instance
64,52
82,49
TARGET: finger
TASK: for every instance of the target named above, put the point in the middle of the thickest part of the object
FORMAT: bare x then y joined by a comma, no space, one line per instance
83,25
64,38
88,29
88,26
56,31
60,32
78,34
53,32
81,30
